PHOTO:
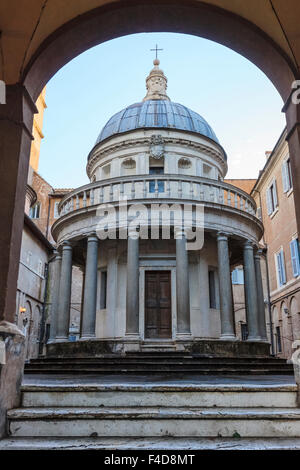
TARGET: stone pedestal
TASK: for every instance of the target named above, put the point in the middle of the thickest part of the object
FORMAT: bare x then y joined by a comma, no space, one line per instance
12,357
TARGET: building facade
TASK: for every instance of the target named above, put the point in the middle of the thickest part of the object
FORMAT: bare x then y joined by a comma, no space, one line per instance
274,196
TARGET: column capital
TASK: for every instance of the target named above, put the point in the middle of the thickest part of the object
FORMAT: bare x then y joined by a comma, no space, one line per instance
258,253
248,245
66,245
222,236
92,237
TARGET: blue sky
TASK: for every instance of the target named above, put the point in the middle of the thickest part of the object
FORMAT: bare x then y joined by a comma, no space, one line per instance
232,94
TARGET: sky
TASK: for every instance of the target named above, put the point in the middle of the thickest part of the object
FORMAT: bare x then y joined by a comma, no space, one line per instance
233,95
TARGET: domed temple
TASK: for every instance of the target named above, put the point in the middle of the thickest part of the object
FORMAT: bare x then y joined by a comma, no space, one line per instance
157,233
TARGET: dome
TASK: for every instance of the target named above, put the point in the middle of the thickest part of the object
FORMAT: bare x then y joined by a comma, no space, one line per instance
160,114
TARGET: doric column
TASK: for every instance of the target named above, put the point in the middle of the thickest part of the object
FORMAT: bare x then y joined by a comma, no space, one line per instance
90,289
226,303
251,293
64,298
132,288
56,271
182,286
260,297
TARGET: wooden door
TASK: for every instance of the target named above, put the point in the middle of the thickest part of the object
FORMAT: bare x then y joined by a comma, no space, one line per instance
158,315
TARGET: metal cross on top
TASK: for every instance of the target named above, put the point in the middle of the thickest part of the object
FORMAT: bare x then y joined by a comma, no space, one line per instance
156,50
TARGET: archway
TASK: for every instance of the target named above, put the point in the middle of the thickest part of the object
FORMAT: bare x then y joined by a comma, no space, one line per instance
92,28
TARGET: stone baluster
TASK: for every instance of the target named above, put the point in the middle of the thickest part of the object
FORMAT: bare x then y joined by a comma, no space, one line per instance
84,198
168,188
111,192
92,197
77,202
226,302
228,197
101,195
133,190
179,189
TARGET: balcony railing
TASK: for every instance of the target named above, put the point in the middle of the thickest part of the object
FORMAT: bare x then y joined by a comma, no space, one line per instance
146,187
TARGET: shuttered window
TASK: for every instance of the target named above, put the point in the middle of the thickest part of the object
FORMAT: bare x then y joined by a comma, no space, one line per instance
295,257
280,268
272,199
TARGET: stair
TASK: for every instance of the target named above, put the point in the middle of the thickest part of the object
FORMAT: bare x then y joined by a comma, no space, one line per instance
120,409
163,362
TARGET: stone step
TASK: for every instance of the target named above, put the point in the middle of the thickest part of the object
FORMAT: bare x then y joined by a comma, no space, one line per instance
185,395
154,422
160,357
154,443
147,370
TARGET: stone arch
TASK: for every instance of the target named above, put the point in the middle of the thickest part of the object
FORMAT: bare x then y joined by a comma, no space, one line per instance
192,17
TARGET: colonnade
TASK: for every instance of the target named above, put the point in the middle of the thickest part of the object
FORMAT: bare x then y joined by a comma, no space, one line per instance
61,294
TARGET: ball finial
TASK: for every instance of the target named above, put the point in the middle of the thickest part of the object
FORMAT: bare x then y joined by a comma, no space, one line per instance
156,62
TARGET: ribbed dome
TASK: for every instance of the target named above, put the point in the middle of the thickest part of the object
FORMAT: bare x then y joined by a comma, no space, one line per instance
156,114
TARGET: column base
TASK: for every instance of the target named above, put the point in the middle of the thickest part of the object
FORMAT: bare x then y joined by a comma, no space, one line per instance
184,336
255,338
61,339
87,337
228,337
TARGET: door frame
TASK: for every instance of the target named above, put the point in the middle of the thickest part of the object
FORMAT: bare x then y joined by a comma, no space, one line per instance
168,267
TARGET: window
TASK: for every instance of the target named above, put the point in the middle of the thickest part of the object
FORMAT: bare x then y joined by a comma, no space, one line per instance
280,268
286,176
237,276
295,256
244,331
272,200
103,288
156,170
35,211
56,213
212,289
278,339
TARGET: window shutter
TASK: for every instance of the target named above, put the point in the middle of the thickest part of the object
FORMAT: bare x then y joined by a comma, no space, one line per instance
269,202
282,267
285,177
295,257
275,194
278,258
